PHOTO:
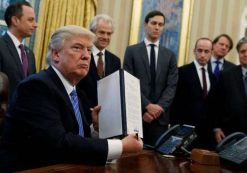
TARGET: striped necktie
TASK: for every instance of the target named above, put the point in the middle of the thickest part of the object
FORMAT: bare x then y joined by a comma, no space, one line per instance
75,103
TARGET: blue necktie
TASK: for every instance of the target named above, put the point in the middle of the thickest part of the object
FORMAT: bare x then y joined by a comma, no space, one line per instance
217,69
245,83
75,103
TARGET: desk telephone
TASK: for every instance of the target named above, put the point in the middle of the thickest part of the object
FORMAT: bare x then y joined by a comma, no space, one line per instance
175,139
233,148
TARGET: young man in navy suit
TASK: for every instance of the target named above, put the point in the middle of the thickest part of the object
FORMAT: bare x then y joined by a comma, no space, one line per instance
156,68
102,27
46,123
20,19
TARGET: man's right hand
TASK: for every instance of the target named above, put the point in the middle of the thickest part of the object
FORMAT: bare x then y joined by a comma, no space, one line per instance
219,135
131,144
147,117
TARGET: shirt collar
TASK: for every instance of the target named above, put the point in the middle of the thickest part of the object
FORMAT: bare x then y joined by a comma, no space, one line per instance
244,70
69,88
213,59
14,39
198,66
147,42
95,51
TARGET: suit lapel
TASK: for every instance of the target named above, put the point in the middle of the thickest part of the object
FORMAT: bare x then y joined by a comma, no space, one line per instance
93,68
107,63
144,56
63,93
13,52
195,78
239,80
60,87
160,61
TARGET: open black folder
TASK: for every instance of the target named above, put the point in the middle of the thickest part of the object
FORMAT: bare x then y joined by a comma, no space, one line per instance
119,96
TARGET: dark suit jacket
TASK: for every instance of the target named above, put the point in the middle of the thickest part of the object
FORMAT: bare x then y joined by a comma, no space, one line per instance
226,66
232,115
41,127
88,85
189,106
136,62
10,63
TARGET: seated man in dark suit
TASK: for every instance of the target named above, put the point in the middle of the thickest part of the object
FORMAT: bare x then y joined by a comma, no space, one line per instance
232,97
46,123
100,65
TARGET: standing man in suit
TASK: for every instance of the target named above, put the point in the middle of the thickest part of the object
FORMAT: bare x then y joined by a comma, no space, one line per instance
156,68
20,19
100,65
46,123
233,97
194,91
222,45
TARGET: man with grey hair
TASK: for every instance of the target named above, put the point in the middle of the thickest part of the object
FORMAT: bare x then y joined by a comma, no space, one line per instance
46,123
232,103
103,62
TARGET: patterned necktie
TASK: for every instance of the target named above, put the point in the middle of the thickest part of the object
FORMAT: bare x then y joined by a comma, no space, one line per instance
217,69
24,60
100,65
204,83
152,71
245,83
75,103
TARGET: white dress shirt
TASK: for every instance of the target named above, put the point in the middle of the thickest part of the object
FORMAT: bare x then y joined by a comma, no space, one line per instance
16,43
156,49
199,73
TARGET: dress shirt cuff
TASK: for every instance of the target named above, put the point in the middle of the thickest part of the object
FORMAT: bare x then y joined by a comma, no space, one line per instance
217,129
115,149
94,133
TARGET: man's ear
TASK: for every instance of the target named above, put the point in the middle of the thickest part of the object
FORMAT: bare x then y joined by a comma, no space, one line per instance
55,55
15,20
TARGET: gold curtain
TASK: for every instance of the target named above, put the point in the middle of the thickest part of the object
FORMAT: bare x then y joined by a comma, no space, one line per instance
56,13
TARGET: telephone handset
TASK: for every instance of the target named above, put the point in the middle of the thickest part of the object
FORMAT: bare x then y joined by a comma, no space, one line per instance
234,149
174,138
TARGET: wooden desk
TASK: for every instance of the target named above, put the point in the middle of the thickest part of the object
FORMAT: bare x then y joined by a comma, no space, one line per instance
144,162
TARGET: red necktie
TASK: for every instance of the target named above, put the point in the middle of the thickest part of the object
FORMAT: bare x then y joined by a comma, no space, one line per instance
100,65
24,60
204,83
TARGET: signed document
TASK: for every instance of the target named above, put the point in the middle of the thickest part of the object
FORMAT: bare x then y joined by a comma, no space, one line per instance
119,96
